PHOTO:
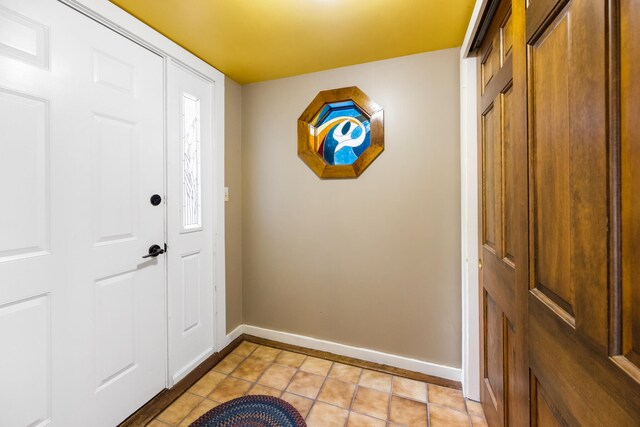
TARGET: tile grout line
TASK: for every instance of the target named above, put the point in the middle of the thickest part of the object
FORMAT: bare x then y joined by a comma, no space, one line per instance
355,393
273,362
244,360
187,414
230,372
468,413
194,408
270,364
320,389
428,408
393,380
390,393
291,380
450,408
255,383
313,403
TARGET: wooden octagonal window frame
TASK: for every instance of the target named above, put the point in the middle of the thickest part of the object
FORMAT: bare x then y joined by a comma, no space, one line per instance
309,143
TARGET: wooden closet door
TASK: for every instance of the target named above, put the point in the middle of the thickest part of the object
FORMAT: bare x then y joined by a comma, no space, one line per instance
503,246
584,215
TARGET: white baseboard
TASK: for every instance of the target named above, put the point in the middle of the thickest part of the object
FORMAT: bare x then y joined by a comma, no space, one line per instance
232,336
366,354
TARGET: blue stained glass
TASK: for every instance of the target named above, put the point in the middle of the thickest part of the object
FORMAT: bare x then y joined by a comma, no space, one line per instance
344,132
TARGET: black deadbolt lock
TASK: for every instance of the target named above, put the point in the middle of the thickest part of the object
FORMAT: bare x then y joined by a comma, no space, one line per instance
156,199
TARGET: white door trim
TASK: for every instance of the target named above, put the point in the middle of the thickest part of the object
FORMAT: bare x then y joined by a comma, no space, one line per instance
469,210
121,22
469,224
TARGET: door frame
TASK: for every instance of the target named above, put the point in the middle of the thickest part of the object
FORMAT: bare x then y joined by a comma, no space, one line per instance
469,207
111,16
120,21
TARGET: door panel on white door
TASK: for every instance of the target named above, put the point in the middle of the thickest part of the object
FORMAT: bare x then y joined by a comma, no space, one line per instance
190,219
191,286
115,328
24,168
26,348
23,38
115,179
114,73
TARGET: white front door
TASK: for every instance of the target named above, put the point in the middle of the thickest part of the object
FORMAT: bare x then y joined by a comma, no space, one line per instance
82,314
190,219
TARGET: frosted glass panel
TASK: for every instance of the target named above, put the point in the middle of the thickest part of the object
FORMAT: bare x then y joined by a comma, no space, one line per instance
191,190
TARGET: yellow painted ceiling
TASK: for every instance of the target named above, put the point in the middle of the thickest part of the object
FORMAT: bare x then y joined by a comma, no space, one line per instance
255,40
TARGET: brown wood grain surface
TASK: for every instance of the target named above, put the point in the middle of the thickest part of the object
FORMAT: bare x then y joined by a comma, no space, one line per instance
502,184
559,187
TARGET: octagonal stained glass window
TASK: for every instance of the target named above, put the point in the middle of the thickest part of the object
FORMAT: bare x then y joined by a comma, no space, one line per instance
340,133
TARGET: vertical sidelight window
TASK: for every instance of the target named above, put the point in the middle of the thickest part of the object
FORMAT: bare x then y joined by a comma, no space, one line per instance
191,188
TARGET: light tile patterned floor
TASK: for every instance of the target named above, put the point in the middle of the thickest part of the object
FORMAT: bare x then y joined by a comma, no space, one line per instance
326,393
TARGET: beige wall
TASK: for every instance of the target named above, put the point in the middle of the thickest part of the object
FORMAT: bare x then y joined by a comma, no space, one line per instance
233,208
372,262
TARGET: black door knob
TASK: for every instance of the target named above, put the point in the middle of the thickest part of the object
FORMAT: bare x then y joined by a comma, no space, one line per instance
155,199
154,251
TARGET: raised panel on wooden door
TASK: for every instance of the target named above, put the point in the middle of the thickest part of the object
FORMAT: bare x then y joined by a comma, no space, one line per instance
490,64
508,250
494,352
551,175
495,64
506,37
568,143
490,200
25,362
499,358
498,193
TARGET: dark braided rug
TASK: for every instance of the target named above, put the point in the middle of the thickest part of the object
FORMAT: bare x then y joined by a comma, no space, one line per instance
252,411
